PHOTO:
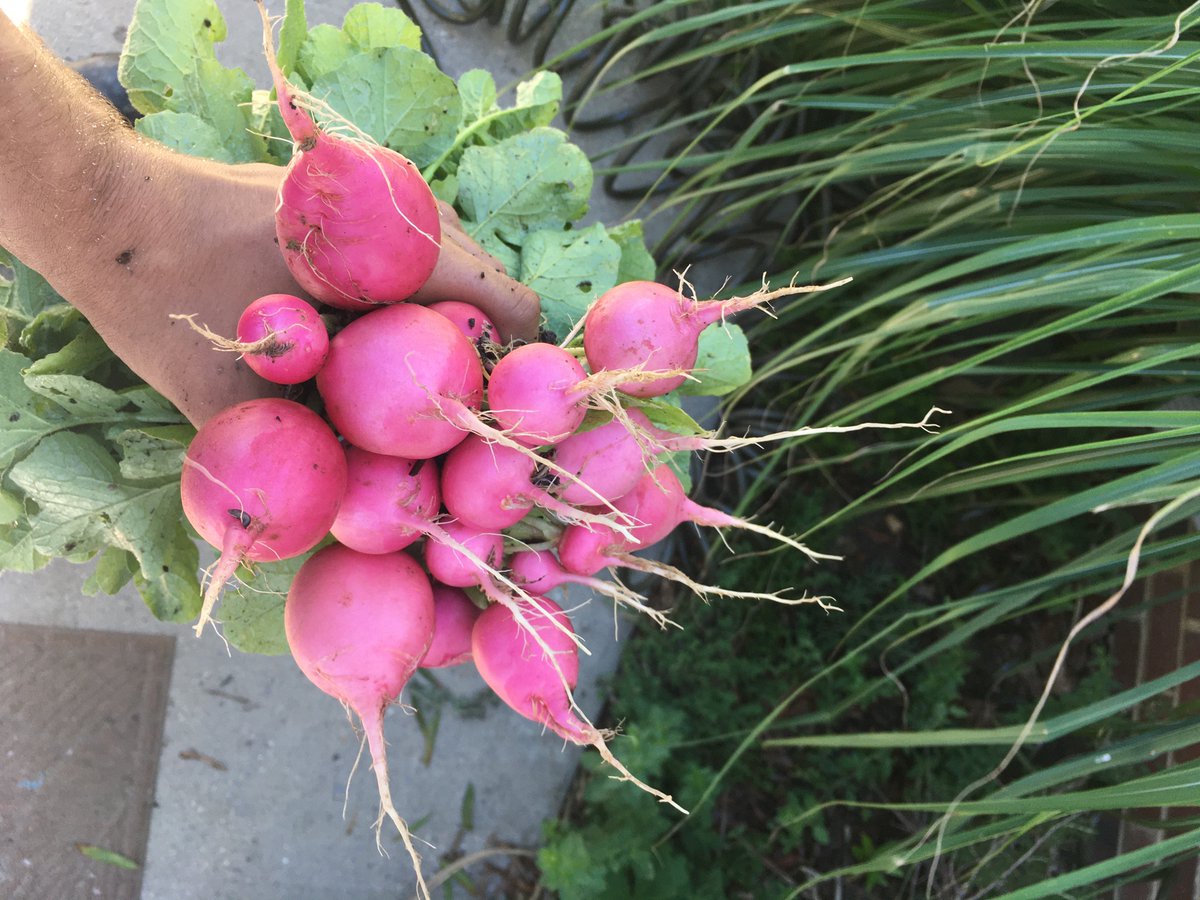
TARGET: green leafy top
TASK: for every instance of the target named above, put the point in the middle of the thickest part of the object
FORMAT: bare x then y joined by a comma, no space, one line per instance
90,457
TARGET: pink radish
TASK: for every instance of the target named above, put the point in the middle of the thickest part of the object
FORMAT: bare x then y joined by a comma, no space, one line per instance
659,503
539,393
470,319
607,458
461,555
640,324
401,380
586,552
534,393
261,481
285,340
358,626
454,618
493,487
281,338
356,222
389,501
449,565
539,572
536,679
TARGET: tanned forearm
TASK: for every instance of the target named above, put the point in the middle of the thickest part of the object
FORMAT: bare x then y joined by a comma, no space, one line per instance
129,232
57,157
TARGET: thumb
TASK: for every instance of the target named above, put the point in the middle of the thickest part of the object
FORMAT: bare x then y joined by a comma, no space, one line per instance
459,275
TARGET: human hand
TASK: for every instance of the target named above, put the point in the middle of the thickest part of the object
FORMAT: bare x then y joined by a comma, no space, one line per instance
131,233
198,237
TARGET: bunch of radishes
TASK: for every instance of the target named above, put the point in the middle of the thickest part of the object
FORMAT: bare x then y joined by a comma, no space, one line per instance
521,468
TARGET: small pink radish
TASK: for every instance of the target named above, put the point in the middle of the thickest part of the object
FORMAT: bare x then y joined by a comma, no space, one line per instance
358,625
402,381
261,481
537,394
492,487
539,572
281,338
356,222
536,678
389,501
640,324
470,319
659,502
586,552
607,458
454,618
285,338
461,555
449,565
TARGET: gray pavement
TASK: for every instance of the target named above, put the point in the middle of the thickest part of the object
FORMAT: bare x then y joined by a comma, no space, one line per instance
271,824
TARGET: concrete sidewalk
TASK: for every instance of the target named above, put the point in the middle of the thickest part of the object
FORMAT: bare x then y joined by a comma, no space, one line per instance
270,825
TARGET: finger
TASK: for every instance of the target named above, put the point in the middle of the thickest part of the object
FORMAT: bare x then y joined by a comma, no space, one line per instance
464,242
460,275
449,215
452,229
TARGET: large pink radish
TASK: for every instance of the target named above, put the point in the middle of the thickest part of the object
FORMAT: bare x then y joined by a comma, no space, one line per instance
262,481
536,679
641,324
358,626
356,222
400,381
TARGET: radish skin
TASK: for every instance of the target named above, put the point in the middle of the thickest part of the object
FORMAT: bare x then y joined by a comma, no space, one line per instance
358,626
454,617
357,224
537,681
262,481
389,501
641,324
388,375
